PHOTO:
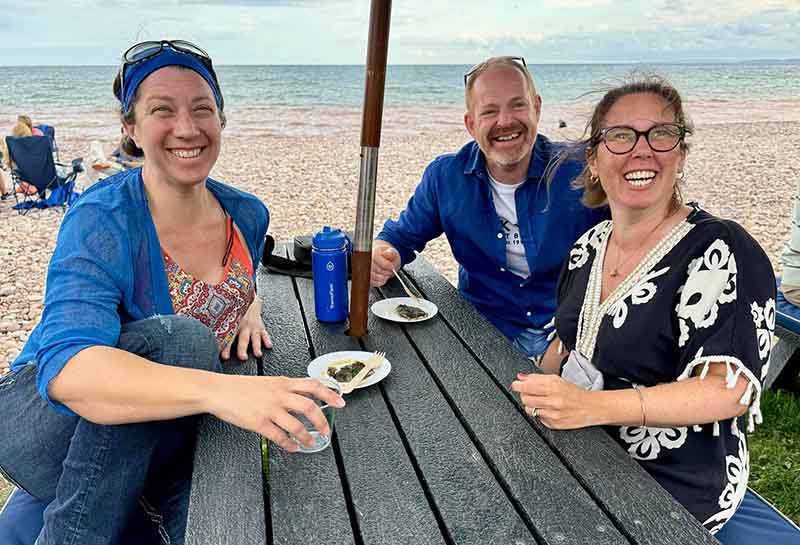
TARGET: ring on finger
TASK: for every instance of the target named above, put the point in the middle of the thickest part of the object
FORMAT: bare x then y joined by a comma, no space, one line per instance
533,411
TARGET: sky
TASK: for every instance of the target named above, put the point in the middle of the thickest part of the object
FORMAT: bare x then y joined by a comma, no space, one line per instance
96,32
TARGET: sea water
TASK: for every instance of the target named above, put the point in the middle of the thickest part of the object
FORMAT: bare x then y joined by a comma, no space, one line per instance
297,99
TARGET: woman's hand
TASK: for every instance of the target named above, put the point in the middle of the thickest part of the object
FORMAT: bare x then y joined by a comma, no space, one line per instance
251,333
265,405
559,404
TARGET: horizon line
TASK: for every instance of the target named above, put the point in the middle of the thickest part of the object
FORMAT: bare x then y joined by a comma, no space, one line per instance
766,60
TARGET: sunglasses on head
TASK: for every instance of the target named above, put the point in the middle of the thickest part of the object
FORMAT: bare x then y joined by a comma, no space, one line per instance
478,67
147,50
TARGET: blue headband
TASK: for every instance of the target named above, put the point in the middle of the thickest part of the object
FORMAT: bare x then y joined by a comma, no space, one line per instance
134,74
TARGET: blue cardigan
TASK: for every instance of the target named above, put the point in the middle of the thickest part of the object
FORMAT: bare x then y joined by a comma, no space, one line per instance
107,269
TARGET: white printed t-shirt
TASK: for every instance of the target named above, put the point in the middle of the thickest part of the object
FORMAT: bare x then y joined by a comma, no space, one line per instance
506,208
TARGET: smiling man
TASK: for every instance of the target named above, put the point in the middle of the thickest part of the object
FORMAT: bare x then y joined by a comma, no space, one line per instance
507,229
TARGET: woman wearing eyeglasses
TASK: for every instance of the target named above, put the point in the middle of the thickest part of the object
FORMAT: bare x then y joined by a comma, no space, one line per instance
151,281
665,318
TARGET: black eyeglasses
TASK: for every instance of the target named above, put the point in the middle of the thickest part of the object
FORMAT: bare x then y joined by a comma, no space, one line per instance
621,139
481,65
149,49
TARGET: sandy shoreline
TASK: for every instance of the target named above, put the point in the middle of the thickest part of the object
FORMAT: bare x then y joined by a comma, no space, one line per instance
304,165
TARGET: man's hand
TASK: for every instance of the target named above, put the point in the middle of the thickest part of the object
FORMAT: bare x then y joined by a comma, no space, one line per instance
385,260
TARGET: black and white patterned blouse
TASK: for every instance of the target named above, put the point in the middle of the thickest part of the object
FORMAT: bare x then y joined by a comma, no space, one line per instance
705,294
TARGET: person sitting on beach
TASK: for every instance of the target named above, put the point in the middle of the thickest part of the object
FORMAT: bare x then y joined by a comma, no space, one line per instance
102,165
125,159
151,282
664,322
23,127
790,259
508,232
5,185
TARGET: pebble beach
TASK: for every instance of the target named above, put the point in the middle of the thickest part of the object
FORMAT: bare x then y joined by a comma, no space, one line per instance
744,164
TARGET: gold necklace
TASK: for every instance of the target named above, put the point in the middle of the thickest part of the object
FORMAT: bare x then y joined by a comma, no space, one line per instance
615,271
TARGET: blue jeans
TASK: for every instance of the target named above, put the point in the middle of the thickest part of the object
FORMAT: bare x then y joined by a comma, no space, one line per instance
757,522
21,519
106,484
532,342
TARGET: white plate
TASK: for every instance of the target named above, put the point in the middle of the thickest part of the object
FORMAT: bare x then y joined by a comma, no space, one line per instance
318,367
387,309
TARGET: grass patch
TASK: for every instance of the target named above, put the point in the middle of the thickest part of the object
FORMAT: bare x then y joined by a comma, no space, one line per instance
5,491
264,458
775,452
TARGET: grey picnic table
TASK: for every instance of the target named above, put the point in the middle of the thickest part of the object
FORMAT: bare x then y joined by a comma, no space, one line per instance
439,452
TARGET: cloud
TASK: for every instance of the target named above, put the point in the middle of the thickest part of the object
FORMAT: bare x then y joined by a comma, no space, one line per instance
575,4
683,33
257,3
177,3
433,31
688,12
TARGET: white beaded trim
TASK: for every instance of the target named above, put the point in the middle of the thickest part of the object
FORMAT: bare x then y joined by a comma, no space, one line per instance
588,328
553,332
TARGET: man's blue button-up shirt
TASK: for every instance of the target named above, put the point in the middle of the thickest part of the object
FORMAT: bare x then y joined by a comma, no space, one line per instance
455,198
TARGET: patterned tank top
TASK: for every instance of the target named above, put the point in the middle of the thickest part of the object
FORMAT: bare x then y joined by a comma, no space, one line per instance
219,306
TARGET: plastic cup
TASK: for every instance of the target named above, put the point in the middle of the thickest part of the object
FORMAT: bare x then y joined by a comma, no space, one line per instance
321,442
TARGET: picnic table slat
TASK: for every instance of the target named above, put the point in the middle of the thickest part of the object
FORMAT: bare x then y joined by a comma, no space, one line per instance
306,503
639,507
227,464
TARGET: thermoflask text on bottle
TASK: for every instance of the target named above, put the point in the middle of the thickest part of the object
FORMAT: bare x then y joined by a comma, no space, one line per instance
329,249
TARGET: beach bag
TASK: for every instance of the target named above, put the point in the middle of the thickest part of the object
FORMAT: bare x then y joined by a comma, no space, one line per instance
296,260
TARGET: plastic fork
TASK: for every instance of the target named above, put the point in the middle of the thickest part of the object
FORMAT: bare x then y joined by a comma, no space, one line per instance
405,288
373,362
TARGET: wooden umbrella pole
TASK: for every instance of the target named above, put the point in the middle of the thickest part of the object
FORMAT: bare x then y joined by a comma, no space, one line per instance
377,50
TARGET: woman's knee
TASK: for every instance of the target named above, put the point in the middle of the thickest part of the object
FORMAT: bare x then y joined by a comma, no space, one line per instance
172,340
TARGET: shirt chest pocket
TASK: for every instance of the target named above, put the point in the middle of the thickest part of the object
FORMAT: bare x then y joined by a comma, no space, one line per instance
477,240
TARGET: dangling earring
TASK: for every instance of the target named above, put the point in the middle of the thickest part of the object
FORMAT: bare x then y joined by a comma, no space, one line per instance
677,196
681,175
594,179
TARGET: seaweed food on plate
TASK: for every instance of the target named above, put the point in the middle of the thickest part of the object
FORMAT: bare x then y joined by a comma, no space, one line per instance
410,312
345,370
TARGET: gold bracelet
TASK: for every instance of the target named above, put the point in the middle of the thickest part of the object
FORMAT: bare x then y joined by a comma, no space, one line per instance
641,402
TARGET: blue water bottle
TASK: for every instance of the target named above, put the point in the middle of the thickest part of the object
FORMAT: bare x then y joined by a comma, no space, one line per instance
329,249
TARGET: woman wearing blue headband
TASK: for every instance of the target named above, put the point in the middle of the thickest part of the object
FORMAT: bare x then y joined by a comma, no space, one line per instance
151,281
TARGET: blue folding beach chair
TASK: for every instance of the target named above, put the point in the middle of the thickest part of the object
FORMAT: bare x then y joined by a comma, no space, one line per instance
34,174
50,132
